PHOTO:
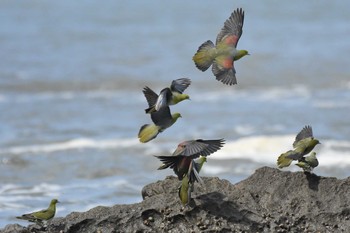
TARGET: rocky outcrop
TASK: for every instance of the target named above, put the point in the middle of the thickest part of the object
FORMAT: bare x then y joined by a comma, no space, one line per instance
270,200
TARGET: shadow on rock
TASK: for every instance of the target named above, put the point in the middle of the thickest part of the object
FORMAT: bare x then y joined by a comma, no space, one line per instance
313,181
220,206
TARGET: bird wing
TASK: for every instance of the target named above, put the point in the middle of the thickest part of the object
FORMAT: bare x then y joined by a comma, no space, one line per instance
162,117
44,214
28,217
163,98
232,30
294,155
150,95
198,147
180,85
169,161
224,70
306,132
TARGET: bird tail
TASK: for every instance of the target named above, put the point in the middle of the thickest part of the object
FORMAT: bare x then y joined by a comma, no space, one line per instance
283,160
203,57
193,173
148,132
168,161
28,217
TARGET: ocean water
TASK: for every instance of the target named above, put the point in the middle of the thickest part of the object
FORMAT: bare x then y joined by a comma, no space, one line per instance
71,102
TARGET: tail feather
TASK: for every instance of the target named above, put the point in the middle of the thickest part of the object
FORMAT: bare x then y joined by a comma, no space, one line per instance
168,161
193,174
148,132
26,217
283,160
203,57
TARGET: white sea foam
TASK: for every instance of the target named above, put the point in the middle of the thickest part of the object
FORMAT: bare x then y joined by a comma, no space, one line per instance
266,149
17,190
11,195
79,143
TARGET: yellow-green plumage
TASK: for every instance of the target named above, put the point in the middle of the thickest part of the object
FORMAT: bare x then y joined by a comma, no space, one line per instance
168,96
308,163
150,131
283,160
222,55
162,118
305,146
42,215
186,186
185,191
304,143
177,98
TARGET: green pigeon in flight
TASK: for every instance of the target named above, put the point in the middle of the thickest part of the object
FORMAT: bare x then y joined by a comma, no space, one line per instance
304,143
223,54
169,95
182,158
162,119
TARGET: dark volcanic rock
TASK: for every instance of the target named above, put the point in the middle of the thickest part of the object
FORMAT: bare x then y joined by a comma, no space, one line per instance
268,201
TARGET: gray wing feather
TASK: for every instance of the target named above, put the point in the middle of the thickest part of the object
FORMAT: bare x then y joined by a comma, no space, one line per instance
199,147
306,132
180,85
150,95
232,26
226,76
163,98
193,174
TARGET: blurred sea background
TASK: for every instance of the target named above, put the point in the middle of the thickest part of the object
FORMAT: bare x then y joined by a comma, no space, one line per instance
71,102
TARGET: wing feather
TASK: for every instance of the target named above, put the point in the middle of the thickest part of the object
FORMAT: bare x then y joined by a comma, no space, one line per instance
232,29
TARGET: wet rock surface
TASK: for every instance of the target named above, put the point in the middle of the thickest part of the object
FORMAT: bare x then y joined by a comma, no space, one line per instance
270,200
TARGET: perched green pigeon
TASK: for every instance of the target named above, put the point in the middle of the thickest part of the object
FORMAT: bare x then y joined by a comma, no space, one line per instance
304,143
308,163
184,154
186,187
42,215
162,118
169,95
224,53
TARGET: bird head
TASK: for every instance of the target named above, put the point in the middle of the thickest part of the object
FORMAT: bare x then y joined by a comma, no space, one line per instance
54,201
186,97
240,54
315,142
176,116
